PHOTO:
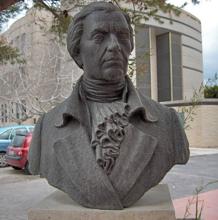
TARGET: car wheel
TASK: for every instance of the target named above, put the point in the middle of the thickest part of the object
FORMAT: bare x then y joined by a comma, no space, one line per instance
3,162
16,168
26,169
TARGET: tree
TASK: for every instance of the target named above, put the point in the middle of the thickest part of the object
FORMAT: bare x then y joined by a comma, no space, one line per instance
8,53
187,113
211,88
25,96
5,4
9,9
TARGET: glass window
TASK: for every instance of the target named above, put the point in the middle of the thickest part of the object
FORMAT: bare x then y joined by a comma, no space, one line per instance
31,129
18,140
23,106
5,135
17,111
181,116
22,43
21,131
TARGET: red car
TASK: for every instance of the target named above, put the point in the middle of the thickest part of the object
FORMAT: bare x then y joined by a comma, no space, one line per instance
17,153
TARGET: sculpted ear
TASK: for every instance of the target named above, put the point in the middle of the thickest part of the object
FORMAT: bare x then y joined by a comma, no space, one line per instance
73,46
78,60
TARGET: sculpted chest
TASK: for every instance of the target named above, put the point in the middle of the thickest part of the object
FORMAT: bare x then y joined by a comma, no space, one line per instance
86,182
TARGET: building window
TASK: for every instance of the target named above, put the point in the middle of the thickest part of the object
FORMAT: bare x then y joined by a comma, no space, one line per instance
6,113
17,111
23,107
2,113
169,67
181,117
22,43
12,108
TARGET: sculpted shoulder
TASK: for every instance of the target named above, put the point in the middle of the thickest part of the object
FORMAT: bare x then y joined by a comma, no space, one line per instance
155,107
56,115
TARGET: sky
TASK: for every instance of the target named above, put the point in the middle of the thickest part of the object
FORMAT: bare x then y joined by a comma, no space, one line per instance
207,12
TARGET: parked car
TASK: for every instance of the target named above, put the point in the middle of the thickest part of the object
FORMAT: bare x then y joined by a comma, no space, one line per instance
6,136
17,152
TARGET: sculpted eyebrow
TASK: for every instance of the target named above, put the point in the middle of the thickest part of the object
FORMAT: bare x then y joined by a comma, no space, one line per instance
98,30
105,30
122,30
119,28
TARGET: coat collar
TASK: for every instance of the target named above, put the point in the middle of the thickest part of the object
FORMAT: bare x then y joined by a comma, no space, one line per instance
76,107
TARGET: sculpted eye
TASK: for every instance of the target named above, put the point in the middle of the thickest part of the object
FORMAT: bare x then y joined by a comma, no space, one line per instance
98,37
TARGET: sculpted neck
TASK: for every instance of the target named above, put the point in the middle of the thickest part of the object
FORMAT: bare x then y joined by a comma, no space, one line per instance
101,90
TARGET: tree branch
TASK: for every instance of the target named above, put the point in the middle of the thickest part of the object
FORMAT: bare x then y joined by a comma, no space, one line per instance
4,4
48,8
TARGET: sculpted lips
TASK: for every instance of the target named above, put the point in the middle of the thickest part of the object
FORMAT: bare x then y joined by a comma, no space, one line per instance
112,62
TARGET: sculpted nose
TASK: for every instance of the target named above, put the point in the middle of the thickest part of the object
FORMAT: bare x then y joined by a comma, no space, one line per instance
113,44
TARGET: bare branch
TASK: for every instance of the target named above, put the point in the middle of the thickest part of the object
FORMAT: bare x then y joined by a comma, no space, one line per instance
4,4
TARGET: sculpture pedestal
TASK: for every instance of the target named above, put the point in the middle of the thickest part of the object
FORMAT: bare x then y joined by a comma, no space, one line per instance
156,204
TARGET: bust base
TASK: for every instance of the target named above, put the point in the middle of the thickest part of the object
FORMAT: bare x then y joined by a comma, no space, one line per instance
156,204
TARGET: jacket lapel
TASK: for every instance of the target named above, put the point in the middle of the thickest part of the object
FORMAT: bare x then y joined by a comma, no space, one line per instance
135,153
78,161
75,107
137,148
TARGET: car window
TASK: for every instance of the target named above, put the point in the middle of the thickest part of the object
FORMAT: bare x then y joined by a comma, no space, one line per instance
31,129
21,131
18,140
5,135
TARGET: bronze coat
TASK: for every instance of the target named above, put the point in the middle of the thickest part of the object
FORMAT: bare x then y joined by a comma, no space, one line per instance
61,152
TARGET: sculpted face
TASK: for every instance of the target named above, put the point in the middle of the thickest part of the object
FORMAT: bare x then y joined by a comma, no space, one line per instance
105,46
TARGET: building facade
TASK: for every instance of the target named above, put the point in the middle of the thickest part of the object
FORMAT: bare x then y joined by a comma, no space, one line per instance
175,67
168,63
31,88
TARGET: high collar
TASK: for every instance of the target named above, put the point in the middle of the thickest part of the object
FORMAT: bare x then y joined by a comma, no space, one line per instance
76,107
98,90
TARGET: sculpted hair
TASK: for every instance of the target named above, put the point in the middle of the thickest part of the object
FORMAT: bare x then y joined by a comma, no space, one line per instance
75,29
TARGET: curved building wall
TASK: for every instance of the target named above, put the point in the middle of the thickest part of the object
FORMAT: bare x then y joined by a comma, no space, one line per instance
186,30
184,70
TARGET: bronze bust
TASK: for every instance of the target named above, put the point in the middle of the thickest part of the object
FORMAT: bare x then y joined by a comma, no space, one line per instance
107,144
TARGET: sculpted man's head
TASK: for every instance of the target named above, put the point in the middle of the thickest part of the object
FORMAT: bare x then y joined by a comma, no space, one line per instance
100,40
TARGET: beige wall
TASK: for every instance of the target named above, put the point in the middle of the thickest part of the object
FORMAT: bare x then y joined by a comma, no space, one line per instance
192,81
203,130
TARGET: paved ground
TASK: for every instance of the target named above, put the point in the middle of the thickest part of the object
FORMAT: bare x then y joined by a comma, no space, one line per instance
184,181
187,206
199,171
19,192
